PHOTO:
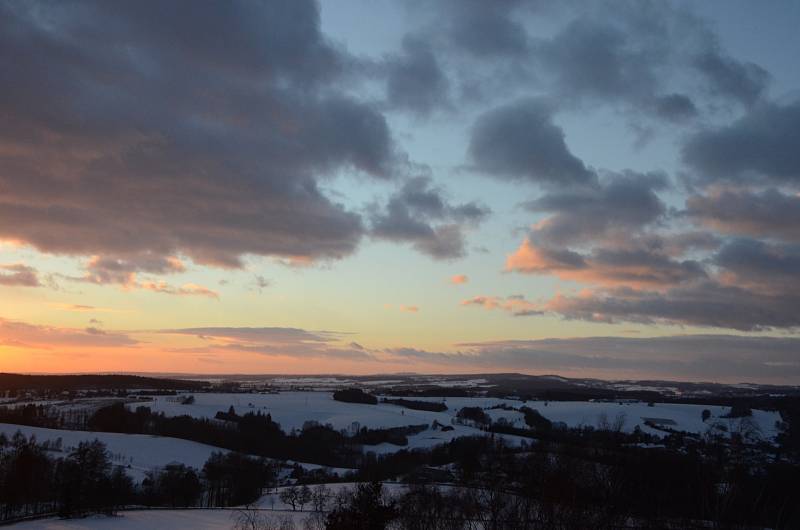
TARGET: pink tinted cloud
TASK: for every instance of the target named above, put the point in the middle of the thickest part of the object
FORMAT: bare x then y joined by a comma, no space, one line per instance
459,279
516,304
189,289
18,274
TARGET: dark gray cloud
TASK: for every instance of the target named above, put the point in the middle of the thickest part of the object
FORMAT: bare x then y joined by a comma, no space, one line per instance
419,214
194,129
623,204
722,358
745,284
520,141
761,267
643,55
675,107
762,145
704,303
606,235
742,81
594,58
655,58
630,265
486,29
769,213
415,79
18,274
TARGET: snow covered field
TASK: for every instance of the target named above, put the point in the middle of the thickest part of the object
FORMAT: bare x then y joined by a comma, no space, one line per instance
292,409
143,520
182,519
686,417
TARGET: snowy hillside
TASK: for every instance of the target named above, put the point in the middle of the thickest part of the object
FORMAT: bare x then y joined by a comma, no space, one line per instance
292,409
137,452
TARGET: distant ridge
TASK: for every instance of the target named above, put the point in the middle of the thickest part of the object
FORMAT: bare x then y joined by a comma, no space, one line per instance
93,382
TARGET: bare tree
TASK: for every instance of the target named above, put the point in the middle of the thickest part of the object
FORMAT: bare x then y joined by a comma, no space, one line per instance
320,497
290,495
304,496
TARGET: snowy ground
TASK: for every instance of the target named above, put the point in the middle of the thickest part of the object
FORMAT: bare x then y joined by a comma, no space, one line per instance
196,519
686,417
292,409
149,520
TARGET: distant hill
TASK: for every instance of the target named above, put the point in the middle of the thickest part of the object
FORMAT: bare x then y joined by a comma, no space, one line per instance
93,382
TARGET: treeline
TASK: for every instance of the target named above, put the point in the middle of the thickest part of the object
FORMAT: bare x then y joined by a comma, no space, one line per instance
355,395
30,414
33,481
251,433
393,435
557,486
16,382
430,406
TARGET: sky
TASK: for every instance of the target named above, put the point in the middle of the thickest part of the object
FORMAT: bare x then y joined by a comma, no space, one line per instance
603,189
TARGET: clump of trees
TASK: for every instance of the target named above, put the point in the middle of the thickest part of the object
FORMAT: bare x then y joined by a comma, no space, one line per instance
738,411
233,479
393,435
355,395
367,508
414,404
83,482
474,414
175,485
535,420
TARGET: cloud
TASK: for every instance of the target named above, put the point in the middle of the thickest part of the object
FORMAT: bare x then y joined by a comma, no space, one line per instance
415,79
164,143
745,284
459,279
675,107
760,146
742,81
760,267
702,303
651,59
769,213
419,214
516,304
24,335
519,141
261,283
722,358
409,308
189,289
646,56
122,270
486,30
273,341
598,59
623,204
631,267
18,274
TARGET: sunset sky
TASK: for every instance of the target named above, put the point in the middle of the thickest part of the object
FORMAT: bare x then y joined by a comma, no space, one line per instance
599,189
